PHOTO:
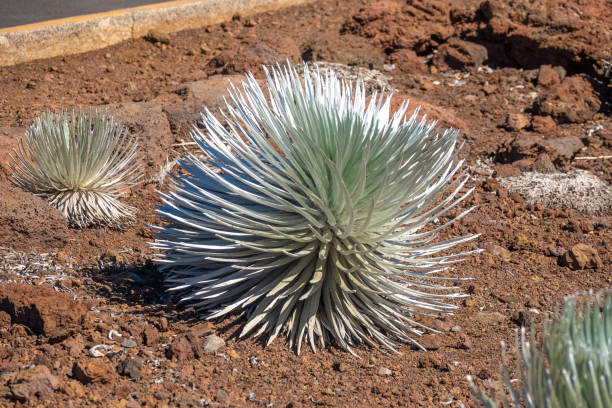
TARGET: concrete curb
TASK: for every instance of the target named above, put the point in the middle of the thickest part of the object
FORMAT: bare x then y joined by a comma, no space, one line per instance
74,35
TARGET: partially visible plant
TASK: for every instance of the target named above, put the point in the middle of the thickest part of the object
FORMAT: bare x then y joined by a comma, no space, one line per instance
81,163
571,369
307,213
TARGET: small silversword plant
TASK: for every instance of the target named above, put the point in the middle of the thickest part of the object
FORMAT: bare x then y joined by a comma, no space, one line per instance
571,369
81,163
306,212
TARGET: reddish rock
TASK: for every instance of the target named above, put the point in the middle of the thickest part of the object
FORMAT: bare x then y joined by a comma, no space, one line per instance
149,124
573,100
93,371
543,164
8,141
34,382
506,170
408,61
419,25
517,121
581,256
431,360
156,36
547,76
489,317
184,347
535,33
253,57
459,54
151,336
347,49
208,93
496,250
530,145
430,341
543,124
40,308
566,147
28,222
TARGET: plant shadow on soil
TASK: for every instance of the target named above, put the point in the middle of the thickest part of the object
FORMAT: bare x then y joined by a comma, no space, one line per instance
141,286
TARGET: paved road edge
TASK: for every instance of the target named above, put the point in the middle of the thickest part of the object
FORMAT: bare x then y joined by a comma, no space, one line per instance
79,34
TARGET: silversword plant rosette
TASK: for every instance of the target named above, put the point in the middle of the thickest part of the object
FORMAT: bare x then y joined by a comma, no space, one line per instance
307,210
571,368
82,164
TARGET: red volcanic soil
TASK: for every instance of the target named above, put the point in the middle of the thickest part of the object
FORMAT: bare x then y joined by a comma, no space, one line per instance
528,83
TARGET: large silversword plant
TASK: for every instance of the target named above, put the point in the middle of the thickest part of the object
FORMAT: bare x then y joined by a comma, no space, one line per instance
305,212
81,163
571,369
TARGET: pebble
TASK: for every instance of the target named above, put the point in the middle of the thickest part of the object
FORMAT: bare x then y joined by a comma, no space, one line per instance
129,343
131,367
517,121
213,343
384,371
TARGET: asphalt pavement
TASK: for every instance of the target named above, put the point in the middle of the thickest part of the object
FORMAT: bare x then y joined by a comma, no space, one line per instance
20,12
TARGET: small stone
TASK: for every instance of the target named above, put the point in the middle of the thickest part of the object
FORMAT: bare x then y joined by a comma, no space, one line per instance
92,371
543,124
581,256
556,251
564,146
184,347
430,360
517,121
110,68
204,49
489,318
163,324
465,342
496,250
459,54
430,342
547,76
151,336
129,343
544,165
456,329
384,372
341,367
33,382
489,89
506,170
213,343
131,367
155,36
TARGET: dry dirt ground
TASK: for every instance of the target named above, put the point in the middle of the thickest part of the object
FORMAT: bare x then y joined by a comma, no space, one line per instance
84,320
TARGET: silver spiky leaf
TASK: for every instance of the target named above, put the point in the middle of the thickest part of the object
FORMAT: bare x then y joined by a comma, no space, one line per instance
306,213
81,163
572,368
